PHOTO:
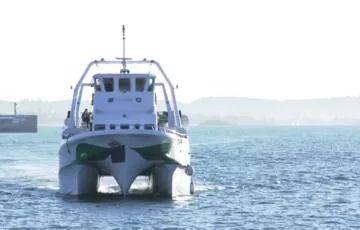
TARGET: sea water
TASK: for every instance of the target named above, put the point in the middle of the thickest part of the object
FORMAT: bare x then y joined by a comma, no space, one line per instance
245,178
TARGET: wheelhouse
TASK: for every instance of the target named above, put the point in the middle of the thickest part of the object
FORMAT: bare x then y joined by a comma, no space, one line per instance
124,101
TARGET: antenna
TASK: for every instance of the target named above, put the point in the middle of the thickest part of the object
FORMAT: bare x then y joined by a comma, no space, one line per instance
123,38
124,70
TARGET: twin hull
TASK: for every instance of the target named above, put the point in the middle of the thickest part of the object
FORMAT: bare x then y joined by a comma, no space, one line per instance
164,156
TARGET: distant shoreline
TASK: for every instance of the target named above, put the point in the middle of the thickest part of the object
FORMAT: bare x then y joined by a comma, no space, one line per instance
234,110
50,125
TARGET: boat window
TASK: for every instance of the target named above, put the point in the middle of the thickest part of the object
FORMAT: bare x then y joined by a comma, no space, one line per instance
124,126
148,126
97,84
99,127
124,85
151,83
109,84
140,84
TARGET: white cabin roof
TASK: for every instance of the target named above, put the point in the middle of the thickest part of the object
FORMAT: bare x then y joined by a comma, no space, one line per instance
124,75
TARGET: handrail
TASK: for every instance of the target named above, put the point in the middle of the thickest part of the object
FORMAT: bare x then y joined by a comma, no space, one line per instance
165,95
77,97
79,100
177,116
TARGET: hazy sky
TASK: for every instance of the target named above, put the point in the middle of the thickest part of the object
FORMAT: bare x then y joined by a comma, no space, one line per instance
261,49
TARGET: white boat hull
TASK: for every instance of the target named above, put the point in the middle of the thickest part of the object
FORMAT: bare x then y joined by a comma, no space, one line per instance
84,157
170,179
78,179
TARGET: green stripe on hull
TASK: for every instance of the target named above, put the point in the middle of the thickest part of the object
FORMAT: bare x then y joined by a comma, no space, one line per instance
88,152
154,152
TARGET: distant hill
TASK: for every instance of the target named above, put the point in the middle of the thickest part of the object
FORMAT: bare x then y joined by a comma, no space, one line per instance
215,123
343,110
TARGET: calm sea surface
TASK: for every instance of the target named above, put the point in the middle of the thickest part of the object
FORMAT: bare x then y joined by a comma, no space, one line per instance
245,178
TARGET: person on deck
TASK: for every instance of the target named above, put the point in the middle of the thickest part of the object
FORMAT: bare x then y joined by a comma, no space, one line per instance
85,117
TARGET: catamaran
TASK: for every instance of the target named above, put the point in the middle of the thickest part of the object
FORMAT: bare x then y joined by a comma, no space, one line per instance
126,136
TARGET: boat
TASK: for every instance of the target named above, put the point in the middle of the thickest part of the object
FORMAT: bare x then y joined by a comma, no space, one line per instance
126,136
18,123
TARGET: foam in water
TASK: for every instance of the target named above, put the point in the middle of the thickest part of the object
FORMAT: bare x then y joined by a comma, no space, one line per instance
206,186
109,185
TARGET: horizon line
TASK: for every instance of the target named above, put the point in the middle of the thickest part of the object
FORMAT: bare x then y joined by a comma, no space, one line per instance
200,98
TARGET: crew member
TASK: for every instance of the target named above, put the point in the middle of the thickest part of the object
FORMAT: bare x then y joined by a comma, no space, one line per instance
85,117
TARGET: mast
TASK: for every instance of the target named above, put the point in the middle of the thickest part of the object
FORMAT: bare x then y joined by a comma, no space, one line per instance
15,108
